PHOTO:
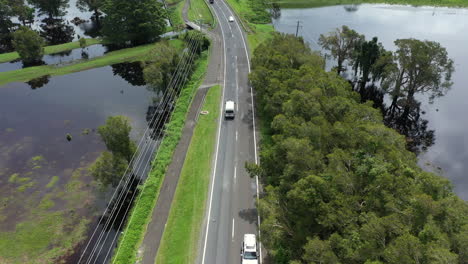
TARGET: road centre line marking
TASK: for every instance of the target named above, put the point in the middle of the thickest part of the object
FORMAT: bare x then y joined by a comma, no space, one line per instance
217,143
253,122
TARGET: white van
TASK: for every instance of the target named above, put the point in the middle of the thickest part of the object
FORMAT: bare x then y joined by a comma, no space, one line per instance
249,250
229,110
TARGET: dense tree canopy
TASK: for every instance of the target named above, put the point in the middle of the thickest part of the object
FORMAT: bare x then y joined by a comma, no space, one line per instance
90,5
28,44
340,187
341,43
116,135
135,21
51,8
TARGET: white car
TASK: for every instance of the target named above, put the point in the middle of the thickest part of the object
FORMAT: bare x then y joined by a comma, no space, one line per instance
249,250
231,19
229,110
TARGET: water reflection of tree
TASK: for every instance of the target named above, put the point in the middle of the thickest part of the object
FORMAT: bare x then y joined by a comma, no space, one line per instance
56,31
132,72
351,8
122,200
51,8
275,11
39,82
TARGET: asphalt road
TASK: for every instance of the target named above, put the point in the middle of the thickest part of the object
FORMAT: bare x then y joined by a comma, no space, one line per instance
231,201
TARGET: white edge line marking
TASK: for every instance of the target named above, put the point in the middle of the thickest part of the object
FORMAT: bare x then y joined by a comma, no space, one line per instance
232,229
253,122
217,143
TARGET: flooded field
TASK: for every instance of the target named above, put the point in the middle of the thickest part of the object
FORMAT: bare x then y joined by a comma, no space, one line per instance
446,117
48,201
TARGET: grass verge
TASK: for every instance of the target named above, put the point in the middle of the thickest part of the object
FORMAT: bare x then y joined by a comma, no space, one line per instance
6,57
319,3
250,18
180,238
141,212
199,10
119,56
175,14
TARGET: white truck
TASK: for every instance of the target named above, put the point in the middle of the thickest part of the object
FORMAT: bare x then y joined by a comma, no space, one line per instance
249,250
229,110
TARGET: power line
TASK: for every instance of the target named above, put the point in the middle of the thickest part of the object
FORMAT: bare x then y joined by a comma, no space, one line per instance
140,194
167,98
140,146
177,91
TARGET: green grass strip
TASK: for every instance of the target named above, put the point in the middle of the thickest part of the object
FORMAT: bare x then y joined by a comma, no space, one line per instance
260,33
199,10
141,212
119,56
180,238
175,14
319,3
6,57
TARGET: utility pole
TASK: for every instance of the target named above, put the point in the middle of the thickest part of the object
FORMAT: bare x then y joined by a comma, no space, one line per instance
297,28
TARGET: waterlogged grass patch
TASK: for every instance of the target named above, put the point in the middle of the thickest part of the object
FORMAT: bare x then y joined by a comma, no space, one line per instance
5,57
13,178
141,212
119,56
179,242
52,182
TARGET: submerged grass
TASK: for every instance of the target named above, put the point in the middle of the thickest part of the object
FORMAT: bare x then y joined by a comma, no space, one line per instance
6,57
119,56
141,212
180,238
319,3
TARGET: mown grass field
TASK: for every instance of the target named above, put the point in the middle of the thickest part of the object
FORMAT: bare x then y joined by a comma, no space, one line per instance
181,235
318,3
141,212
5,57
119,56
199,10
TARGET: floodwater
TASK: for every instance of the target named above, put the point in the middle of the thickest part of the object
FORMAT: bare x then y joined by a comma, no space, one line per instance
62,58
447,115
42,174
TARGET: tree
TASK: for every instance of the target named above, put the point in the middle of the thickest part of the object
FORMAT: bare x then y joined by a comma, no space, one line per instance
341,43
92,6
51,8
422,67
108,168
367,54
28,44
134,21
116,135
160,65
340,185
6,26
319,252
56,31
25,13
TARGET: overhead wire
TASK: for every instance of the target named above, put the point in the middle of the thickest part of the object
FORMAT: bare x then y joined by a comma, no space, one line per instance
166,98
177,91
184,80
141,145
